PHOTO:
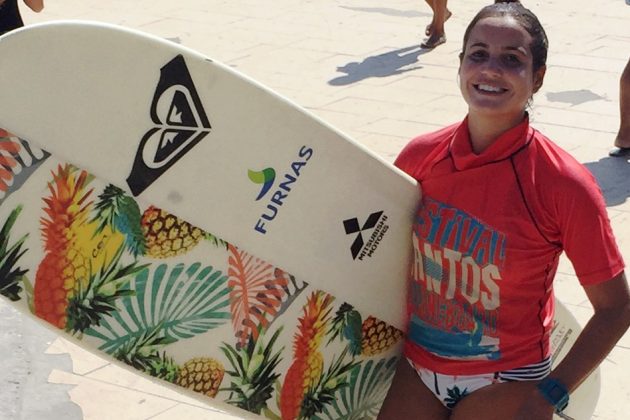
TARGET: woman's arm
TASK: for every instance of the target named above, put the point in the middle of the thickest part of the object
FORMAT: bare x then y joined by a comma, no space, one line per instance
35,5
611,302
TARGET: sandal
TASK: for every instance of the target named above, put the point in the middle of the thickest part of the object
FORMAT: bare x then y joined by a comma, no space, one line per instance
619,152
430,44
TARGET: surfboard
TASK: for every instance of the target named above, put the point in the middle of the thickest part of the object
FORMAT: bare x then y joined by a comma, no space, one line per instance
299,193
184,221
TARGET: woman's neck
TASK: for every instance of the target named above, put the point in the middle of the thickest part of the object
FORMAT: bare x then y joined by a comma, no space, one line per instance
484,130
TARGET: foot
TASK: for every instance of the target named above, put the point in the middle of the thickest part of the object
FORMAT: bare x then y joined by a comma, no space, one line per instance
433,41
619,152
429,28
622,143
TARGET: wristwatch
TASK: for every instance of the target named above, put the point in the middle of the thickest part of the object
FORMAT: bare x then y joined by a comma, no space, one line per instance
555,393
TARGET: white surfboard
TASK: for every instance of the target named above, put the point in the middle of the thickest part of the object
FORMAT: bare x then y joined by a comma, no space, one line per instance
297,192
313,221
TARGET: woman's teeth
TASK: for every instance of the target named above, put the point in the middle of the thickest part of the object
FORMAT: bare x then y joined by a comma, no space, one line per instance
488,88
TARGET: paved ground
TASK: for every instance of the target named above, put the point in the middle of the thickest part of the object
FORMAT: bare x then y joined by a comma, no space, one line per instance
358,65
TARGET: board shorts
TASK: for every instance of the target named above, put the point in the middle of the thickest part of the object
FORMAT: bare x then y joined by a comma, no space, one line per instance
451,389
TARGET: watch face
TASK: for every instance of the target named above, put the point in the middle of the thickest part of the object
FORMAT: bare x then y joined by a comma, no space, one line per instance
556,393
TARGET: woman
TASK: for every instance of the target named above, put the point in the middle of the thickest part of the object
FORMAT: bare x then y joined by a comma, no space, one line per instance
500,203
10,17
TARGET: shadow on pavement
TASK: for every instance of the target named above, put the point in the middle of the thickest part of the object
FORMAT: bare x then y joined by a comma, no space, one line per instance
388,11
613,176
382,65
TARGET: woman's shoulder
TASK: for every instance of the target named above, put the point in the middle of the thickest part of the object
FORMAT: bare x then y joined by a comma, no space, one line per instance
434,137
421,146
558,176
555,161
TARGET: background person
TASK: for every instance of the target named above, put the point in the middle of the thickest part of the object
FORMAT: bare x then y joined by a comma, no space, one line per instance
10,17
435,30
622,141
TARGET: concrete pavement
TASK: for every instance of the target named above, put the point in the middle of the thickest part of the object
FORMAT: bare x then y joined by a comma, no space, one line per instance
357,65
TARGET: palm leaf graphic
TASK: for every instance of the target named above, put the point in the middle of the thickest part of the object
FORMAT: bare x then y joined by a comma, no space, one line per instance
368,384
11,276
169,304
257,293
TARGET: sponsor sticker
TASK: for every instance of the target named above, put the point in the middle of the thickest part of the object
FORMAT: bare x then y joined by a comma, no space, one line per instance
276,196
180,122
374,228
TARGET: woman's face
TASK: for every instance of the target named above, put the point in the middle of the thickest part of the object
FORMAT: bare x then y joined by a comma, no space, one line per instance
496,76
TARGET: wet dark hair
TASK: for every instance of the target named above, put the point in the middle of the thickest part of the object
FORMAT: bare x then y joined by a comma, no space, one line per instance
528,21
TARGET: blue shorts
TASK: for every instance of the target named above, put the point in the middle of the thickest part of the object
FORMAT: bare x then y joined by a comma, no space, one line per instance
451,389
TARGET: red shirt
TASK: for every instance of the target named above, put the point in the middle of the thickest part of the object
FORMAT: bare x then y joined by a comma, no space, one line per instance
487,240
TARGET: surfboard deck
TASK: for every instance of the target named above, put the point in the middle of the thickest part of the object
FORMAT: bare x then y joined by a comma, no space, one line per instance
125,212
291,189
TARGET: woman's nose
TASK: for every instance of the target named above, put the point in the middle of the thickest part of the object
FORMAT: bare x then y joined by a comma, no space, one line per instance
492,66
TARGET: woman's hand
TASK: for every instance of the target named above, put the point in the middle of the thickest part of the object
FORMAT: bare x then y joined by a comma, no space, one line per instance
535,408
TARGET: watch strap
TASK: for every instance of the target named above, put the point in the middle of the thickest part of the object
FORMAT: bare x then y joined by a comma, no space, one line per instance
555,392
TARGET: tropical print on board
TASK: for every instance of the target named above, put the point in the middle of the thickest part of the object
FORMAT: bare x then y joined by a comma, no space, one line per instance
149,289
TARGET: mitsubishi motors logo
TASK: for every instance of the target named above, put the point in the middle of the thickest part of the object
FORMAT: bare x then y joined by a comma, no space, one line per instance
180,122
375,226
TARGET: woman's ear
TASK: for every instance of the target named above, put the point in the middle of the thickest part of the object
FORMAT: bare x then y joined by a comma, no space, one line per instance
539,76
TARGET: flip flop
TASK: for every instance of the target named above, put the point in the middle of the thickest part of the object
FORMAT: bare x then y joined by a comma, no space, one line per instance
619,152
430,45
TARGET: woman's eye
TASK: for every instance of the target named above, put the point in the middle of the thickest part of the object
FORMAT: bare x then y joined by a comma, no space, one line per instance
512,60
477,55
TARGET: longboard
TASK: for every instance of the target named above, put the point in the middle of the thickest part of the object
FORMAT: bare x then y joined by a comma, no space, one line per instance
297,192
187,222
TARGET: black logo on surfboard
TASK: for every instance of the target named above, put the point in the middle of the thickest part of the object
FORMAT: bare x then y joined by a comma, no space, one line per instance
376,223
180,123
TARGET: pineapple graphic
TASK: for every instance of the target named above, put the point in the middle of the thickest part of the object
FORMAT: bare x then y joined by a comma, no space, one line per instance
154,233
308,364
90,303
73,249
367,338
378,336
253,372
199,374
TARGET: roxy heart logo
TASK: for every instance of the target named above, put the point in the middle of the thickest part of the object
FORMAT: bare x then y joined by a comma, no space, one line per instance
179,120
265,178
375,226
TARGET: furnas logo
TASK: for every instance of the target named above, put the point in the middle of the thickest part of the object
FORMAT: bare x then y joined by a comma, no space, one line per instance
375,226
266,177
180,123
281,193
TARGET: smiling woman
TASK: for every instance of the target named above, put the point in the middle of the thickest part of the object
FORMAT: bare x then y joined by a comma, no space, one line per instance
500,204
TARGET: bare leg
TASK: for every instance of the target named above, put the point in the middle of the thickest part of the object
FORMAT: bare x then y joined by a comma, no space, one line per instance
494,402
433,4
437,34
623,136
409,399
